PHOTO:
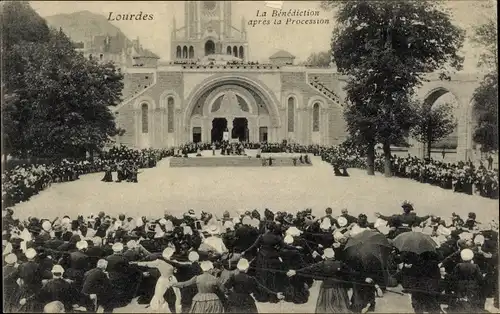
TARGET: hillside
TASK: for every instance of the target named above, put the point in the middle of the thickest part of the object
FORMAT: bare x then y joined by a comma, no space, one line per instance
81,26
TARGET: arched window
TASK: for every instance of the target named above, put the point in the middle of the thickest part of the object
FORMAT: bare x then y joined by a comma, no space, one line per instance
145,118
191,52
235,51
101,56
228,50
316,117
178,53
170,115
241,52
291,114
185,52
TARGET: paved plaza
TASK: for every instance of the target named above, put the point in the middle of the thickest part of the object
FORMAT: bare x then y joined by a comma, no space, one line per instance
238,189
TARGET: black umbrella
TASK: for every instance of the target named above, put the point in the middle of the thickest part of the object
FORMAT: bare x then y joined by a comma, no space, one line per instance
415,242
368,236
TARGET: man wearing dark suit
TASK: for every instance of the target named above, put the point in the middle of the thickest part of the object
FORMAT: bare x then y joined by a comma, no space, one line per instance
96,285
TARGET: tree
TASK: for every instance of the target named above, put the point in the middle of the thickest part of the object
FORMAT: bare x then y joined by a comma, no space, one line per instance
61,99
486,113
319,59
485,106
386,48
434,124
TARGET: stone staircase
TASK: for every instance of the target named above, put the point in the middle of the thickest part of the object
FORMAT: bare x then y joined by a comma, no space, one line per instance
321,88
232,161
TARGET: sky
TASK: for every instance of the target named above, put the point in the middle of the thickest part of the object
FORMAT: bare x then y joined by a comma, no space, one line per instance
264,40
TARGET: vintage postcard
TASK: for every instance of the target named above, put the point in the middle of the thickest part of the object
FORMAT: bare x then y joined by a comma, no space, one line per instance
250,156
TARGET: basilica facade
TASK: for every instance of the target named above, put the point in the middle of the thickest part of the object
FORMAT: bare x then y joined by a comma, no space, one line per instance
211,86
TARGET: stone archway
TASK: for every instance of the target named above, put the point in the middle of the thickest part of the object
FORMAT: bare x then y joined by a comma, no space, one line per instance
197,101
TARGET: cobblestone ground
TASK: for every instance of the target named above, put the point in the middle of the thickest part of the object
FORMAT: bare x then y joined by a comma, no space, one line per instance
237,189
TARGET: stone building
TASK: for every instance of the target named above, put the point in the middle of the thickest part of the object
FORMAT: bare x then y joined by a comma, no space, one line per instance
210,84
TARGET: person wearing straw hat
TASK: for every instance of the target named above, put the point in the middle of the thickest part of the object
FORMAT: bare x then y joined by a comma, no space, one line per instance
207,299
332,297
466,283
240,287
165,281
58,289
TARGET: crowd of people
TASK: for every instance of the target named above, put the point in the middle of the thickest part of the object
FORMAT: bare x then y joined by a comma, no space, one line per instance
26,180
23,181
201,263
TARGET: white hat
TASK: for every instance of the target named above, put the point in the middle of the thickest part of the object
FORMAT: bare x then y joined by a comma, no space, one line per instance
169,226
326,224
466,236
30,253
213,229
228,225
444,231
168,252
191,213
117,224
54,307
378,223
187,230
193,256
97,241
102,263
138,222
163,221
479,239
337,236
247,220
117,247
243,264
467,255
293,231
206,265
57,269
342,221
288,239
132,244
11,258
255,223
66,221
329,253
46,225
82,245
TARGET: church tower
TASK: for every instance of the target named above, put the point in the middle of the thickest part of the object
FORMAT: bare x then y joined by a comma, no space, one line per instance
208,30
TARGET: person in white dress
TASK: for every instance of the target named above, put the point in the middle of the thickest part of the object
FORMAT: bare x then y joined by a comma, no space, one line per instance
167,278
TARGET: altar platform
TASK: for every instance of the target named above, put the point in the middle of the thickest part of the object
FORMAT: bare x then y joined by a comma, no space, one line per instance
207,159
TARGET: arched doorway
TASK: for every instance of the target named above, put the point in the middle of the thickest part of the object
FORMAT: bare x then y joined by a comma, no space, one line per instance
442,105
240,129
219,126
209,48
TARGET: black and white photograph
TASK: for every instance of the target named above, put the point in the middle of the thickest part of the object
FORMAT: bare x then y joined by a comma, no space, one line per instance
336,156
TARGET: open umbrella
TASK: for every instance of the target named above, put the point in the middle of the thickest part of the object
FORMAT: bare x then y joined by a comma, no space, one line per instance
368,253
368,236
415,242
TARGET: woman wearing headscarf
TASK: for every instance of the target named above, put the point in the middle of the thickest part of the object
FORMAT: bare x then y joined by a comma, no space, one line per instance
165,281
240,288
269,265
206,300
332,297
467,281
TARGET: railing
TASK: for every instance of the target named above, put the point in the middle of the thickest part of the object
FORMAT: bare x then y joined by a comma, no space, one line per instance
316,84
